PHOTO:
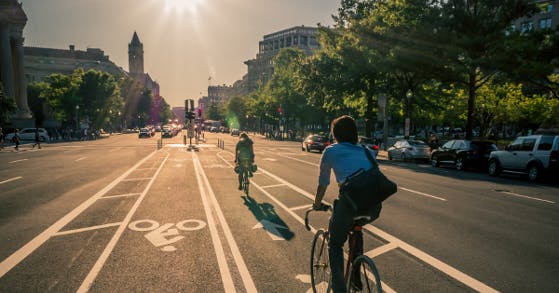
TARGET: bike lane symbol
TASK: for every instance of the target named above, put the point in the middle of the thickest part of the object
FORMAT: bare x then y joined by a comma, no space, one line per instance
165,235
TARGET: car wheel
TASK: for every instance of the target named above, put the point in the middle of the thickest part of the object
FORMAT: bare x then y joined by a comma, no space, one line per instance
404,158
42,138
308,150
389,157
459,164
435,161
494,169
533,172
303,148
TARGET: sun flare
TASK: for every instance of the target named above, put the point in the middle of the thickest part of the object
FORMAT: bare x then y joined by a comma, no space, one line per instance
180,6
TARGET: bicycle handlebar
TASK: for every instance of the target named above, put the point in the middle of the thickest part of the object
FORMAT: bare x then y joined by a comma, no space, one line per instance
323,208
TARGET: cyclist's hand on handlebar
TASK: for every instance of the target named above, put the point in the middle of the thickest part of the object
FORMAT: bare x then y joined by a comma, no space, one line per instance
320,207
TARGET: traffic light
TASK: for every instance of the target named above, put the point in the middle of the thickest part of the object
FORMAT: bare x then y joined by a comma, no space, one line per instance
192,105
189,115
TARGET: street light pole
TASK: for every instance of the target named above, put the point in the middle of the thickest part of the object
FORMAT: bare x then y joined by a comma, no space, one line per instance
409,95
77,117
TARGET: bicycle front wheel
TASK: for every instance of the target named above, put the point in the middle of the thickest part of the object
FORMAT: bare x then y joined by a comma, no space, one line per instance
364,276
320,263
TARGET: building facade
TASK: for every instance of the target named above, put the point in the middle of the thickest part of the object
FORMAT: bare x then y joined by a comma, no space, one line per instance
548,18
42,62
14,87
261,68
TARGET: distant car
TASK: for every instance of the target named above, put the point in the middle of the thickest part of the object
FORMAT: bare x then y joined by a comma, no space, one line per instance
29,134
144,132
167,132
315,142
225,130
214,129
235,132
533,155
409,150
463,153
370,143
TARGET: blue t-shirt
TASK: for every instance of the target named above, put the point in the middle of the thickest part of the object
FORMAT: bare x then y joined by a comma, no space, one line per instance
344,158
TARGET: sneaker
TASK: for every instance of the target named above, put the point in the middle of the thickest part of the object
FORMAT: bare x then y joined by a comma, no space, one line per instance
250,174
240,187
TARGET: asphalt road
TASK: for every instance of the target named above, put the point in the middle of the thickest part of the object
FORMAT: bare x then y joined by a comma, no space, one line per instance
119,215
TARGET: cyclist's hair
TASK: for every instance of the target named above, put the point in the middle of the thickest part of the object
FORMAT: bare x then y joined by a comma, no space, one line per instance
243,135
344,129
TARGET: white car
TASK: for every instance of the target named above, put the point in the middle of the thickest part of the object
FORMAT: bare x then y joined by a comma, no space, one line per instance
29,134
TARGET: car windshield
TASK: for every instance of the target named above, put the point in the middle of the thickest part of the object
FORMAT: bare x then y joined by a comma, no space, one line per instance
417,143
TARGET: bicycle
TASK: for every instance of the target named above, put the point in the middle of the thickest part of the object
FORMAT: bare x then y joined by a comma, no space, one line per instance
245,167
362,266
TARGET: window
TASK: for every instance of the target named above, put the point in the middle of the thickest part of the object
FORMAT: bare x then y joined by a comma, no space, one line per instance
528,144
545,23
448,145
545,143
516,145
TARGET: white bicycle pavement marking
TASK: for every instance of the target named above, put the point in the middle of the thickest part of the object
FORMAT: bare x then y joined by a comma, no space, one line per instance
7,264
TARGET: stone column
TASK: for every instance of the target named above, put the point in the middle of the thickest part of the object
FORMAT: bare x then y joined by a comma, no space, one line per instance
21,84
6,61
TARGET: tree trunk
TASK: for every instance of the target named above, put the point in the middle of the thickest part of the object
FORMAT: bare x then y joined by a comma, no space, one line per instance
369,116
471,102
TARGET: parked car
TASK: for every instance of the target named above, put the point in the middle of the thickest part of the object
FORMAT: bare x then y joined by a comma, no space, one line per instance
214,129
533,155
235,132
315,142
29,134
166,132
144,132
370,143
411,149
462,153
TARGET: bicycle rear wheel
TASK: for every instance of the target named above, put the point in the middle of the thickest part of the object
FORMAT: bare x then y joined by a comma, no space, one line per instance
320,263
365,276
245,181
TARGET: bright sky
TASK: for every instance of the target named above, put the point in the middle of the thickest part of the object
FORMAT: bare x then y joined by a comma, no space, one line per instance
185,41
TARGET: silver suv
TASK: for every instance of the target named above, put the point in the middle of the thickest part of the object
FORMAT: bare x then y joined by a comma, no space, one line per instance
533,155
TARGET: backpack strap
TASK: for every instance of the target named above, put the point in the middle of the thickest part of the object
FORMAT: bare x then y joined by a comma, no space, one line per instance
368,154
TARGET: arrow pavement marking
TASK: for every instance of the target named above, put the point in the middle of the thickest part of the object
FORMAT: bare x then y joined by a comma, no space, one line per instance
271,228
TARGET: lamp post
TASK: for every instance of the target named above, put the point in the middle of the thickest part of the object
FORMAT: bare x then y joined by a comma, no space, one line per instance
409,95
139,120
77,117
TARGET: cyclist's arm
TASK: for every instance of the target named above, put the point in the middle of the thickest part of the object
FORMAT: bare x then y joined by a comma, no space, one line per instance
236,152
320,191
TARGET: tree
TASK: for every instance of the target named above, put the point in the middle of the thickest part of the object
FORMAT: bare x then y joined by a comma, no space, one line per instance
475,33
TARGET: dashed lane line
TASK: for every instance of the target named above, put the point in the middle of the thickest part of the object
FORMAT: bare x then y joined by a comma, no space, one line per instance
119,195
80,159
11,179
17,161
7,264
421,193
522,196
274,185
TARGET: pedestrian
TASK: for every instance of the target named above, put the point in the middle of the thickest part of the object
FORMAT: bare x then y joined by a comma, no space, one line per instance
1,139
37,139
15,139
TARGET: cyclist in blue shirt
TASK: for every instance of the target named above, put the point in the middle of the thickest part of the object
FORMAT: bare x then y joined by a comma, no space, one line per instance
344,157
244,153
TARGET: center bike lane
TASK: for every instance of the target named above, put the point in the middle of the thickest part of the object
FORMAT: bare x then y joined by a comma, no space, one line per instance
175,242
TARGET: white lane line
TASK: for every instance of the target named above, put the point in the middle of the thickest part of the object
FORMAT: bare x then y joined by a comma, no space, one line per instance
381,250
226,278
421,193
82,158
114,150
275,185
137,179
441,266
14,259
239,261
17,161
298,160
120,195
86,229
523,196
303,207
143,169
11,179
88,281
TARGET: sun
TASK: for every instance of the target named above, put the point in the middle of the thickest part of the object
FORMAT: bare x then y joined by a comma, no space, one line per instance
180,6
